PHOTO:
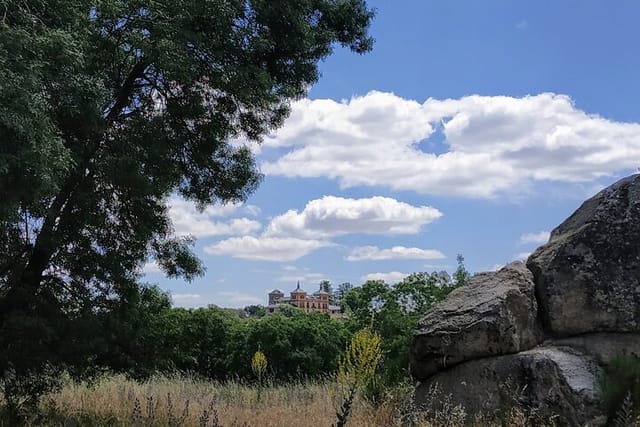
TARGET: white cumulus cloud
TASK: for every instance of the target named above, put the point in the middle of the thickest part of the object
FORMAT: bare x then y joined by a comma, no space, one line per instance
538,238
294,234
373,253
187,220
334,216
491,144
265,248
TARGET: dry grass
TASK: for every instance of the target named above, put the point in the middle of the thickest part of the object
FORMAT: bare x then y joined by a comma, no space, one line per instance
182,402
162,402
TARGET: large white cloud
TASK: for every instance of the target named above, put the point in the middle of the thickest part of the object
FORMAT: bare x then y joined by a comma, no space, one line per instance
491,144
335,216
373,253
187,220
265,248
294,234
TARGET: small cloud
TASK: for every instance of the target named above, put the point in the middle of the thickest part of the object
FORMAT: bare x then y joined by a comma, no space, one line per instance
373,253
188,220
182,297
522,25
237,299
289,268
303,278
537,238
437,267
391,277
151,267
266,248
252,210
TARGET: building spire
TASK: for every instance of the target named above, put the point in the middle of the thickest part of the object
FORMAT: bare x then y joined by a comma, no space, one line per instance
298,287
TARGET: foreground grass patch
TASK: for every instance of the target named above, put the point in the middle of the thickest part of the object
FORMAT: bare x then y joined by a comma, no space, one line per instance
117,401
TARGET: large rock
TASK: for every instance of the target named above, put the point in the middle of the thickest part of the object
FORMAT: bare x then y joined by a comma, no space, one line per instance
550,382
588,275
494,314
604,346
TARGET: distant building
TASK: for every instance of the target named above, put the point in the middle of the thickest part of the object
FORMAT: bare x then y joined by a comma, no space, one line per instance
318,302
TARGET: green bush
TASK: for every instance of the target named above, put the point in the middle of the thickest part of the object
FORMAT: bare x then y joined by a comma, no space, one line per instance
620,383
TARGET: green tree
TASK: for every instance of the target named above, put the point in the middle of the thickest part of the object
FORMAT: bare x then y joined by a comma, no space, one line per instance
131,334
393,312
619,388
110,106
339,294
297,344
327,287
461,275
255,311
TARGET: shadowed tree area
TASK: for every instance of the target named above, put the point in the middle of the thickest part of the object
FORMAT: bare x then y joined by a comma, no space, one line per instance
108,107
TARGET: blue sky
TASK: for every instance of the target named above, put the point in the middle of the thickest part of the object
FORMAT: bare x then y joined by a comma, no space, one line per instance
472,128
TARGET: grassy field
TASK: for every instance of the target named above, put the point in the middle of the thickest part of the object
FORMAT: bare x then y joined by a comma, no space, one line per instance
116,401
183,402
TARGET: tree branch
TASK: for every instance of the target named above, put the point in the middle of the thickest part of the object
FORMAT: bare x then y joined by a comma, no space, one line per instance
124,95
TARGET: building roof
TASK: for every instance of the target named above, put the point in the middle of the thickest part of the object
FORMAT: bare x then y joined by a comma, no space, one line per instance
276,291
298,290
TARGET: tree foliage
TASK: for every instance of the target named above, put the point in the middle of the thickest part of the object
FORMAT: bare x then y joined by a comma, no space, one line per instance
394,311
215,343
110,106
619,388
219,343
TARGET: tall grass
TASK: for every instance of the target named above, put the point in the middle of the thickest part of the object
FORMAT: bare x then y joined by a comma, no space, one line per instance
180,401
115,401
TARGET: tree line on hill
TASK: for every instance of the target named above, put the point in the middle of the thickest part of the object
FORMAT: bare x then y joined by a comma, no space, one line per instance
145,335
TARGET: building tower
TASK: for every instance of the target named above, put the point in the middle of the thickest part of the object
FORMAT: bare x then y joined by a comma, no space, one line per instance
322,298
299,297
275,296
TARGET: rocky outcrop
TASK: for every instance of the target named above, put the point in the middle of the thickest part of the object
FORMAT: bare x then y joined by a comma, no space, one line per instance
559,382
588,275
539,336
602,346
494,314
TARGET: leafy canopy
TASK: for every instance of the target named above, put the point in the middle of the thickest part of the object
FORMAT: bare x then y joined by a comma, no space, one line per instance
110,106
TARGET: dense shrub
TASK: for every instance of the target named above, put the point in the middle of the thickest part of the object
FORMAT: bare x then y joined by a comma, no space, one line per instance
620,387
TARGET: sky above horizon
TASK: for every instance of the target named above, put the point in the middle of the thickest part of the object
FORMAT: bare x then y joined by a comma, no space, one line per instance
472,128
